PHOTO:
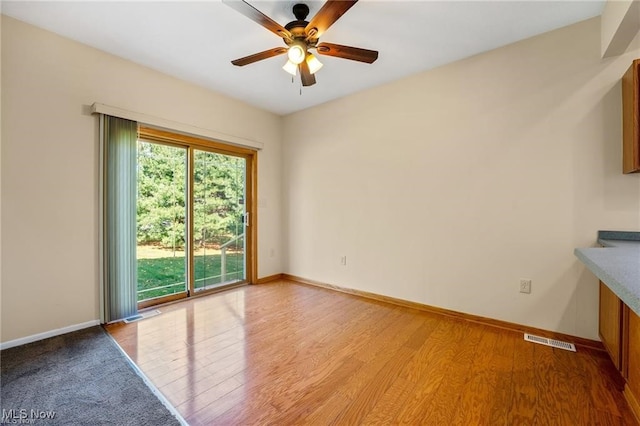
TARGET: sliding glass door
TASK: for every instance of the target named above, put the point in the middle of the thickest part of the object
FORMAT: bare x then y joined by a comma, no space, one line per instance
193,228
218,219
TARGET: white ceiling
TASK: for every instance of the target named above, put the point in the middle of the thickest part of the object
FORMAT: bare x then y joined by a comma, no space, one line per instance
195,41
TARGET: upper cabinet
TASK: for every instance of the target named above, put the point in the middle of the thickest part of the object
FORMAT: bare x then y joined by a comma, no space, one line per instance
631,119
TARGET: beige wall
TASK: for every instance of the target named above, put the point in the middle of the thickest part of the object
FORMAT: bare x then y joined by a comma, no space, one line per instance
50,168
448,187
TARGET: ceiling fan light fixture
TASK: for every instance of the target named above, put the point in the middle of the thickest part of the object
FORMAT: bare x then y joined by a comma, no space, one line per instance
297,52
290,67
314,63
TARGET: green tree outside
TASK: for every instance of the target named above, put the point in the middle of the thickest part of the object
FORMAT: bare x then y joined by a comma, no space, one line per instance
218,196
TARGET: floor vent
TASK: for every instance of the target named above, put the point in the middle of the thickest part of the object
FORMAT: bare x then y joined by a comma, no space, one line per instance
142,316
550,342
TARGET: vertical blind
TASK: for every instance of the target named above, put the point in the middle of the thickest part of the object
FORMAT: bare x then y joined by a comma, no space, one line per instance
119,270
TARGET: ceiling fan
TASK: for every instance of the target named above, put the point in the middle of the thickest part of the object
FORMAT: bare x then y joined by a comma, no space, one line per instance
301,36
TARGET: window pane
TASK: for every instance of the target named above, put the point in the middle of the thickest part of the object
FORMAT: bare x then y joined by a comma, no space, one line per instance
218,215
161,219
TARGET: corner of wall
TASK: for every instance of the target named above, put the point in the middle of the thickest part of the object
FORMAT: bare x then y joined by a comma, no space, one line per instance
619,25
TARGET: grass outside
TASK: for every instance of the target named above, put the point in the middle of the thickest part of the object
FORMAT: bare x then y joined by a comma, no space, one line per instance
169,272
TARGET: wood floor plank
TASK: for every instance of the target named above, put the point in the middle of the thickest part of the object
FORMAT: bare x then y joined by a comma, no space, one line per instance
282,373
326,411
378,377
502,368
316,390
555,389
435,348
524,394
438,408
488,365
296,404
391,402
285,353
442,350
215,393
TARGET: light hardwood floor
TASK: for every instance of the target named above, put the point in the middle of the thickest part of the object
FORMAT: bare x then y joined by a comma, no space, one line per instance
285,353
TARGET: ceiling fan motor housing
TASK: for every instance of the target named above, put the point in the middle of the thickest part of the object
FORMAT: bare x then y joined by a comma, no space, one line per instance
297,27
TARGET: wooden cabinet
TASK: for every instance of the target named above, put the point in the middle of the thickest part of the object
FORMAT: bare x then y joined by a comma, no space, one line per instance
631,119
620,333
611,324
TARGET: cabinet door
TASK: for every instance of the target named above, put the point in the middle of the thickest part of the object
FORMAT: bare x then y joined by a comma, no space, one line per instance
631,119
633,370
610,323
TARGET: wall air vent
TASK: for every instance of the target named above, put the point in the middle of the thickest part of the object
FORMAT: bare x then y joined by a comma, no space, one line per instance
142,316
550,342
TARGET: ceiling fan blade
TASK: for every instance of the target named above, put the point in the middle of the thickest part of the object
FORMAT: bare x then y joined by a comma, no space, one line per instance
347,52
255,15
308,79
330,12
259,56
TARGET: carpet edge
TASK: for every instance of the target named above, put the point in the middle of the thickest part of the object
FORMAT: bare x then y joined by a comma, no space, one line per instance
154,390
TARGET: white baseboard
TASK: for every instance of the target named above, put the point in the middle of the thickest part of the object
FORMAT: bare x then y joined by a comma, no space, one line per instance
47,334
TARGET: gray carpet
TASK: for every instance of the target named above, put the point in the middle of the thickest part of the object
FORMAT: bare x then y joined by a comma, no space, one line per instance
82,377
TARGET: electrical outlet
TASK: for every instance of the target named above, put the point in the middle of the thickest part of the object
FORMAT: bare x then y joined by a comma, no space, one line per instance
525,286
343,260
